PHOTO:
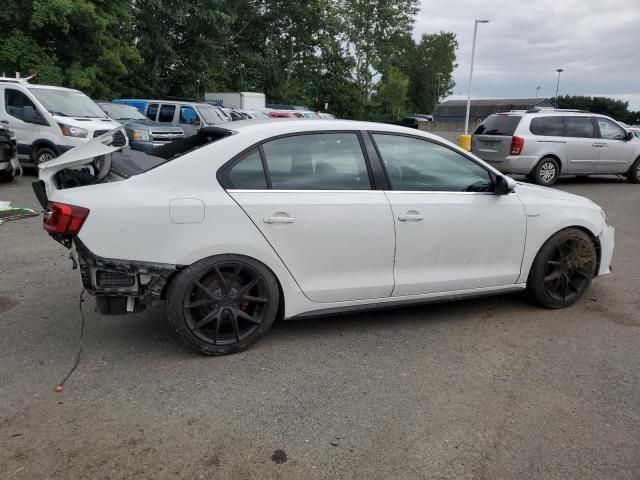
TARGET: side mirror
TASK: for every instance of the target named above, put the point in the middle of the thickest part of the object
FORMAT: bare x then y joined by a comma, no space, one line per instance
29,115
630,136
504,185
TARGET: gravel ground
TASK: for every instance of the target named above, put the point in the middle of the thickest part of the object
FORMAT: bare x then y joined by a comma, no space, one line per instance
485,389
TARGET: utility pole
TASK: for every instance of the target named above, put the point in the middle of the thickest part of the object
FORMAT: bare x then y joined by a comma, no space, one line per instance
438,76
560,70
473,53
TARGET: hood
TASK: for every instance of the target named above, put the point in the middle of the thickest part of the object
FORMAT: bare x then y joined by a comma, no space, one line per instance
91,124
529,191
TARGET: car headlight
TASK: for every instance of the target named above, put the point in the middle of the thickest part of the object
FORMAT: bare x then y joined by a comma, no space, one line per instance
70,131
141,135
604,215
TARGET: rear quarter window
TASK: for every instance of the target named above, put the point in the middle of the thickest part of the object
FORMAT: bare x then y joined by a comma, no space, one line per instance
503,125
547,126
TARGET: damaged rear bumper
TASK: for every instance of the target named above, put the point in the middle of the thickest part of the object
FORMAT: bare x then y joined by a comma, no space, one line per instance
120,286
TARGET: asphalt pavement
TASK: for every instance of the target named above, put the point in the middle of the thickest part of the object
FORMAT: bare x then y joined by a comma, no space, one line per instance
493,388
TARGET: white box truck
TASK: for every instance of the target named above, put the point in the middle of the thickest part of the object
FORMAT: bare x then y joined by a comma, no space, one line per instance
237,100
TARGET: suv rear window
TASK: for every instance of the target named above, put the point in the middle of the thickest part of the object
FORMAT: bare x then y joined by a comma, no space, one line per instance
499,125
548,126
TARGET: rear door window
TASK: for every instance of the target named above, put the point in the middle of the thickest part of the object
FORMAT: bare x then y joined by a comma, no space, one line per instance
152,111
580,127
166,113
548,126
322,161
503,125
248,173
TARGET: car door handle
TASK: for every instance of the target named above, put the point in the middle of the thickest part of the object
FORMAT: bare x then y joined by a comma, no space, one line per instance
598,145
410,217
6,122
278,219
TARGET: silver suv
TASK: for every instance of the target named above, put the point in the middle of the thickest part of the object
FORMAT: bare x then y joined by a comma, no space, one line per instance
546,143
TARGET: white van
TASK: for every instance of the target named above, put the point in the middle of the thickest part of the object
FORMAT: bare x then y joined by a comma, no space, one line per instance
48,121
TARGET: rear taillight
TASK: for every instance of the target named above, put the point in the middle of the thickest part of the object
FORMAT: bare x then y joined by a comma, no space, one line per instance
517,144
64,219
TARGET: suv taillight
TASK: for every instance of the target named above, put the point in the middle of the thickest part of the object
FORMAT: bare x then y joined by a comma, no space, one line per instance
517,144
64,219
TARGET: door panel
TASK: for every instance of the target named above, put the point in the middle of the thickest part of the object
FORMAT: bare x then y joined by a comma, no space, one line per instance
465,240
615,151
11,112
338,245
583,148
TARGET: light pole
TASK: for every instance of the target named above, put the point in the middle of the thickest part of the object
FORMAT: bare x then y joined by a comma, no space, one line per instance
560,70
438,75
537,90
473,53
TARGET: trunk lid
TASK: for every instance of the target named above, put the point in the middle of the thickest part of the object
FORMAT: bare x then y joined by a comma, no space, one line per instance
492,139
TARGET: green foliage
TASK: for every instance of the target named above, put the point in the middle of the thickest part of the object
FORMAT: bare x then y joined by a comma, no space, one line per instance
357,56
616,109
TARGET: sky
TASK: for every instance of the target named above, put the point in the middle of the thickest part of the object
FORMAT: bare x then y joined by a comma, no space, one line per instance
596,42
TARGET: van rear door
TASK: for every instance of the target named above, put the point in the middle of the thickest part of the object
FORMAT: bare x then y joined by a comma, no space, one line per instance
492,139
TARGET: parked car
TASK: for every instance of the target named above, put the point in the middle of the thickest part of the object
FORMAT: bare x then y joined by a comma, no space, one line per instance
9,166
410,122
47,121
237,100
256,114
285,114
191,116
635,131
327,116
246,221
235,114
144,134
545,144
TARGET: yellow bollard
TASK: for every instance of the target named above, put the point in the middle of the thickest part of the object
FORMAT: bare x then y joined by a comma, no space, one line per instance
464,141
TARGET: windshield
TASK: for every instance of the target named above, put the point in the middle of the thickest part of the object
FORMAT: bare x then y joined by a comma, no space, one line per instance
259,114
123,112
67,103
212,114
499,125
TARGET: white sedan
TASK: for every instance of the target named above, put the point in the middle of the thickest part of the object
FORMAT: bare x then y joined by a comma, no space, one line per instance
257,220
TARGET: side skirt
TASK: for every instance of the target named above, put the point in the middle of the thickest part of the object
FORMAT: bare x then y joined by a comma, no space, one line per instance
398,302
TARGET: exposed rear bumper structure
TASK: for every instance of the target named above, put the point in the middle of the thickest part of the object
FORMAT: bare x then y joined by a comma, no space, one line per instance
121,286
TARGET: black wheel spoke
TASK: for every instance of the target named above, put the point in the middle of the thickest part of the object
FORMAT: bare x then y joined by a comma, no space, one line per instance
246,316
223,280
553,276
250,298
234,321
565,293
555,263
208,292
236,273
206,320
200,303
246,288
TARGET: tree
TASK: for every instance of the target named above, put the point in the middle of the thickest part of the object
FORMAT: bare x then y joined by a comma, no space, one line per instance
616,109
391,94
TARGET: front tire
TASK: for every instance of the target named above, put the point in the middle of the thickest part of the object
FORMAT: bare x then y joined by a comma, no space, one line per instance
43,154
563,269
223,304
634,172
546,172
7,176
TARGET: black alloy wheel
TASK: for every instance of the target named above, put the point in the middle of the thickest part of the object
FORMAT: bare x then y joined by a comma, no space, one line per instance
563,269
223,304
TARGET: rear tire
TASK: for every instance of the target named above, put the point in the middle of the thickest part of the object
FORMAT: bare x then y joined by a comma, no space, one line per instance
43,154
633,175
223,304
547,171
563,269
